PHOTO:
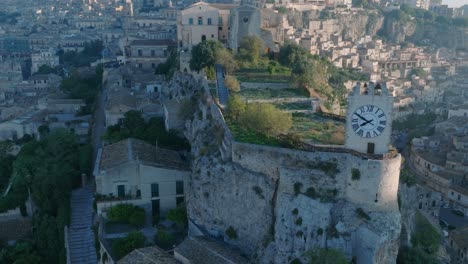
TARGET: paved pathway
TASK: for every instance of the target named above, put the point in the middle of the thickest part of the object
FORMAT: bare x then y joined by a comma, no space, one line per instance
80,235
223,93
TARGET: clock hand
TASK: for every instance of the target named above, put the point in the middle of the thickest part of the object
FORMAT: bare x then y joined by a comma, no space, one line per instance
367,122
360,116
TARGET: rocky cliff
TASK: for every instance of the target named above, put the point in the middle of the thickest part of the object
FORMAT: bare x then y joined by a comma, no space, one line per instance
260,210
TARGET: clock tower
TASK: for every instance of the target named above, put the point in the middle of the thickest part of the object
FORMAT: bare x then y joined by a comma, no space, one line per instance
369,119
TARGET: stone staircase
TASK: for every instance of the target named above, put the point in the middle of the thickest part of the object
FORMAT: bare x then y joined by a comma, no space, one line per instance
81,245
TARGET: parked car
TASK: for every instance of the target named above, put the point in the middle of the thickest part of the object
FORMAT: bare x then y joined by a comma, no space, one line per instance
445,205
458,212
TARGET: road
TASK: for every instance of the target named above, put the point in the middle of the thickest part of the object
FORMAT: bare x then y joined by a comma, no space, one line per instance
452,219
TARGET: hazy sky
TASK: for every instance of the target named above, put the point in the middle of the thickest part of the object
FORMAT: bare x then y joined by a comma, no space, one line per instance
455,3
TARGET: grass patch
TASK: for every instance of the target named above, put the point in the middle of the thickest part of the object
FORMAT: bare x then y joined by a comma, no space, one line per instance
355,174
314,129
304,105
262,75
245,135
255,94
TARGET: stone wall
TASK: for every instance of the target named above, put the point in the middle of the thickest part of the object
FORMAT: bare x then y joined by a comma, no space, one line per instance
283,202
255,85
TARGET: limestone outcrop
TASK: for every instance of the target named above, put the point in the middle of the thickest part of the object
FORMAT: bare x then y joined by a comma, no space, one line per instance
276,209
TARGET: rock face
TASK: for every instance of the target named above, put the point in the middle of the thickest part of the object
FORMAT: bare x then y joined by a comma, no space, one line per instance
279,203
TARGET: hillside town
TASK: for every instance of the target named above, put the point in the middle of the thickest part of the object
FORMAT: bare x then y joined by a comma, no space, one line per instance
227,131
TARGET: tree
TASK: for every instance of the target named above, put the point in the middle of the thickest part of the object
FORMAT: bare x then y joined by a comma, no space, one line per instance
122,246
425,236
235,107
204,54
232,83
326,256
225,58
251,48
169,66
266,119
415,255
127,213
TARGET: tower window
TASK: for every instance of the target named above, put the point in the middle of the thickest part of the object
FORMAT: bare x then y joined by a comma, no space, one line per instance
209,21
200,20
190,21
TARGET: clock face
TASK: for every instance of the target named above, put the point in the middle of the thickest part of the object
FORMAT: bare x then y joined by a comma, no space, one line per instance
368,121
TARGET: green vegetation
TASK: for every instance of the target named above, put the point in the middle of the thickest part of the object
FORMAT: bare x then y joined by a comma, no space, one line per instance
169,67
232,83
135,126
226,59
425,242
299,221
46,69
204,54
123,246
128,214
86,88
48,168
264,72
91,53
6,163
355,174
407,177
178,215
295,211
254,94
317,74
262,119
326,256
414,121
250,50
362,214
258,191
164,239
21,253
316,130
231,233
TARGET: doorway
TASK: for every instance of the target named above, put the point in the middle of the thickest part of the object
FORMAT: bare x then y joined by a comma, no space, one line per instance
370,148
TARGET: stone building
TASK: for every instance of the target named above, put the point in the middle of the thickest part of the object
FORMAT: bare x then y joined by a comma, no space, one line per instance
47,57
202,21
147,54
136,172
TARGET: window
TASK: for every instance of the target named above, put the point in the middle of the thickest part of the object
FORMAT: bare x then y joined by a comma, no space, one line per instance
212,36
140,53
153,65
121,191
179,187
153,53
190,21
209,21
220,28
154,190
179,200
200,20
140,65
370,148
459,197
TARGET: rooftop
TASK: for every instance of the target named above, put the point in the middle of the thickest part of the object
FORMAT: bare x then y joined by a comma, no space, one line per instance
206,251
131,149
459,237
148,255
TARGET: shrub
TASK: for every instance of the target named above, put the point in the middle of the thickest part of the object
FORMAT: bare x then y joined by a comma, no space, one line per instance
425,235
295,261
355,174
178,215
232,83
327,256
362,214
231,233
295,211
266,119
127,213
299,221
320,231
258,191
164,239
123,246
